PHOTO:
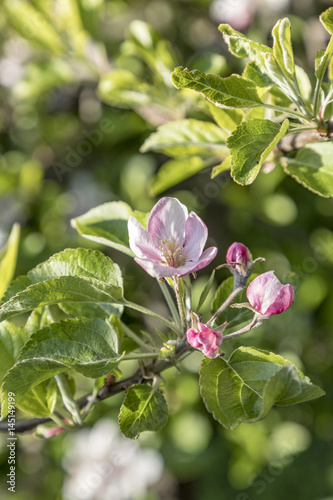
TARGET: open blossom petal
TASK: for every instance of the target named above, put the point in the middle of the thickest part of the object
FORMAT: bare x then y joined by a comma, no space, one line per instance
156,269
196,234
140,241
167,220
174,242
205,339
206,258
268,296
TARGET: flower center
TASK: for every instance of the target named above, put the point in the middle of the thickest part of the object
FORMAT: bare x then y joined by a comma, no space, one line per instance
171,253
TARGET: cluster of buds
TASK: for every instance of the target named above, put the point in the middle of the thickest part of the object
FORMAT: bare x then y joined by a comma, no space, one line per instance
173,247
266,295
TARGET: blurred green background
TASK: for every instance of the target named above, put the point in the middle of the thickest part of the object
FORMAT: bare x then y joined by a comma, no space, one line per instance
70,141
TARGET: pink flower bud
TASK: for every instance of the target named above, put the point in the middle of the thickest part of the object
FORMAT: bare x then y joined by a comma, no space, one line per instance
239,256
205,339
49,432
268,296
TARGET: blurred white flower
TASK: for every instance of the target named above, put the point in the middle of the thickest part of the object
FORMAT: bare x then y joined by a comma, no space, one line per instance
101,464
239,13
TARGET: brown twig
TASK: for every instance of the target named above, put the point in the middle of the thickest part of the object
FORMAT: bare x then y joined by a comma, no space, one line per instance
108,390
292,142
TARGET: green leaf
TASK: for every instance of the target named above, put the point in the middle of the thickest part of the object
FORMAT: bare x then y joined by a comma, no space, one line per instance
173,172
240,46
279,78
123,89
77,262
41,399
258,74
205,291
107,225
222,167
322,60
38,319
228,119
313,168
58,290
33,26
245,387
326,19
87,346
185,138
304,83
101,311
142,410
231,92
323,57
250,144
70,262
282,48
89,277
8,257
12,339
234,91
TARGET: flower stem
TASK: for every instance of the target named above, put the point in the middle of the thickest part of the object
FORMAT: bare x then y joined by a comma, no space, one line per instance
170,302
180,303
225,304
140,355
144,310
245,329
108,390
135,337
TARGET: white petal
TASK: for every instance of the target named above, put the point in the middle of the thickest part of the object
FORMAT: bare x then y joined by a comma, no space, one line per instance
141,242
157,270
195,237
167,221
206,258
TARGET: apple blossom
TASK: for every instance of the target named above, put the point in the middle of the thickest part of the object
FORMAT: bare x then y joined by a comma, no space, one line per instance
203,338
174,242
268,296
101,464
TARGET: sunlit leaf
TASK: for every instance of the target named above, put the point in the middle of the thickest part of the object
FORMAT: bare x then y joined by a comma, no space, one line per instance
122,88
231,92
86,346
142,410
173,172
8,257
245,387
186,137
313,167
282,48
228,119
250,144
107,224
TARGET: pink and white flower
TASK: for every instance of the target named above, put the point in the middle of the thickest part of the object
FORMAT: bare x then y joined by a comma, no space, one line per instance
205,339
268,296
174,242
